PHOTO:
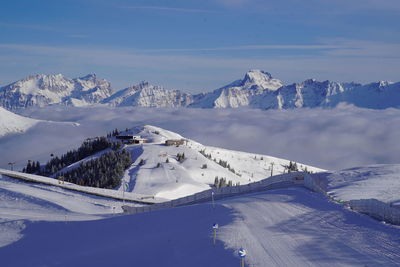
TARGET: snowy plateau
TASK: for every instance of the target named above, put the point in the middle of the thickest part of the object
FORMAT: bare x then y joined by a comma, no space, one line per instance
298,220
258,89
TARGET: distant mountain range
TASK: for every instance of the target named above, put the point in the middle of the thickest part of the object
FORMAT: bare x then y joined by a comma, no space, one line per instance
258,89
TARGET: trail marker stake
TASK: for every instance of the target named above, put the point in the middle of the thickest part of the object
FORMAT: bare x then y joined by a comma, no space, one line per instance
242,254
124,185
212,199
215,228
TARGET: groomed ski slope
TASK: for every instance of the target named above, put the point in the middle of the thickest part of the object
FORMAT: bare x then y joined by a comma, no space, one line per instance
285,227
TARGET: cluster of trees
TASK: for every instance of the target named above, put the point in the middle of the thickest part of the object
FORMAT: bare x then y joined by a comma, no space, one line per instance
113,133
116,132
225,164
180,157
87,148
203,152
32,167
221,182
105,171
292,167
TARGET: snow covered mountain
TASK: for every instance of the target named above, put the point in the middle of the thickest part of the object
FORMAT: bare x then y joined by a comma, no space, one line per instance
41,90
146,95
13,123
310,93
258,89
379,95
245,92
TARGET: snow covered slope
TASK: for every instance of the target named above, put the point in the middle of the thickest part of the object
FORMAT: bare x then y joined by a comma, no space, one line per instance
171,172
286,227
379,182
40,90
146,95
13,123
35,201
159,171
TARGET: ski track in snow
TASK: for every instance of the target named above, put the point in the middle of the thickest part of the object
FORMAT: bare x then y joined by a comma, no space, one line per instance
285,227
296,227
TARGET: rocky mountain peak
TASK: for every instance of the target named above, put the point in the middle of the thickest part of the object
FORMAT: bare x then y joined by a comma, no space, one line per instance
259,79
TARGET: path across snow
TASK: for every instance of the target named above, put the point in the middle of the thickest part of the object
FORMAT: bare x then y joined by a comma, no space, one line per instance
284,227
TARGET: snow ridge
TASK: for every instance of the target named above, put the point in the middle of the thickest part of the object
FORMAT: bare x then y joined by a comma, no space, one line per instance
146,95
41,90
258,89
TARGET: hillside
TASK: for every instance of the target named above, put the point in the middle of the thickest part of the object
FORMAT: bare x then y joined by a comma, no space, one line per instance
196,172
13,123
171,172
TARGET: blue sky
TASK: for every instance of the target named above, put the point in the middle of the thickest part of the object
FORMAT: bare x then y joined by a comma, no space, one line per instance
200,45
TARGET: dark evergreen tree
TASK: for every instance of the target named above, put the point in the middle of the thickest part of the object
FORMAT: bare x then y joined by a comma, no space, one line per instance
216,182
87,148
105,171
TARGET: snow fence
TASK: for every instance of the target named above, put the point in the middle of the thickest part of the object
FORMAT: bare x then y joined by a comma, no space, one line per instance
372,207
313,183
377,209
275,182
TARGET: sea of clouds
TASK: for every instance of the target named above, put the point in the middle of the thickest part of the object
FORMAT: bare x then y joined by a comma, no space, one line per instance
332,139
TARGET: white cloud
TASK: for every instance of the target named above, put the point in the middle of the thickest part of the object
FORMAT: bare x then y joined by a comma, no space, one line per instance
29,26
314,7
234,3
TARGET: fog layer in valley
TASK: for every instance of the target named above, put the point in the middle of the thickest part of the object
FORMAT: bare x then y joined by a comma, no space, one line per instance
327,138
